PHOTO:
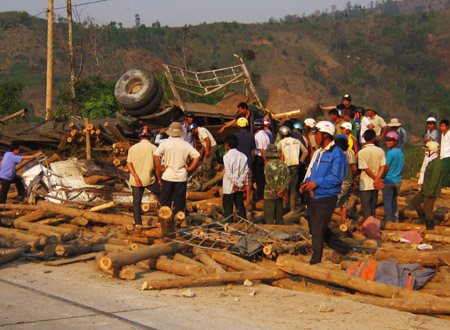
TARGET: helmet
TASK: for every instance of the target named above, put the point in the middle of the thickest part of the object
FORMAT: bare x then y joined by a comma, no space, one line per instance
242,122
259,124
189,114
347,97
310,122
298,125
341,136
191,127
431,120
360,110
326,127
145,131
284,131
391,136
347,125
433,146
266,121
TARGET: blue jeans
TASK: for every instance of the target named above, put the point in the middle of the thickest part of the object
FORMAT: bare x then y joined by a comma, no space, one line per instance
390,193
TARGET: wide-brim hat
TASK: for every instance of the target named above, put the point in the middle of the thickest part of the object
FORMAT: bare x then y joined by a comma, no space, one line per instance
372,108
175,129
394,123
271,151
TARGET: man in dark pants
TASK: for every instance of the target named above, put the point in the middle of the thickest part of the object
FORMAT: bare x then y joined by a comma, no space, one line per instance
142,171
176,153
8,172
259,160
323,181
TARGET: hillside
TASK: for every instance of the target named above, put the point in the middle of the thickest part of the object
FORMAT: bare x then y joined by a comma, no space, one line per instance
399,63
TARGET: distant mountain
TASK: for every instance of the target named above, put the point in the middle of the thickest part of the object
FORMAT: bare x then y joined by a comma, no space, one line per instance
399,63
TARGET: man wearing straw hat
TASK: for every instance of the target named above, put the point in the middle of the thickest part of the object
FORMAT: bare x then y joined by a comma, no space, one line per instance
176,153
395,126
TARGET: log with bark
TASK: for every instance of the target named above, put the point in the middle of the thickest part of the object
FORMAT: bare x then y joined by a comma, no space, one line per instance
113,219
430,258
124,273
13,254
176,267
119,260
166,220
211,278
209,262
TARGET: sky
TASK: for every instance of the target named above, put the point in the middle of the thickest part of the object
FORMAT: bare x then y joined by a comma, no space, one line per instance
178,12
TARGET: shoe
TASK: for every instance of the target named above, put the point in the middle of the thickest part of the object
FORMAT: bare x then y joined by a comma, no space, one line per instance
429,224
338,257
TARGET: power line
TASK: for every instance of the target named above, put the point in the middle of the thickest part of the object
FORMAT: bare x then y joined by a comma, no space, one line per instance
77,5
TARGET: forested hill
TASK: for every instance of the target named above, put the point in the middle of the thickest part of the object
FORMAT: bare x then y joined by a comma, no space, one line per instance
399,63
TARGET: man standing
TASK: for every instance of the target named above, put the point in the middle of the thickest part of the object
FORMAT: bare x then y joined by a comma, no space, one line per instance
209,146
261,141
377,123
345,105
323,182
393,178
432,133
445,152
292,154
372,161
8,171
267,130
142,171
247,146
176,153
402,140
243,111
235,164
337,120
188,119
310,136
431,188
275,190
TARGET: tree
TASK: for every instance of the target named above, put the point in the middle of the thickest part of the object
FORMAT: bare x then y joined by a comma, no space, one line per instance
10,97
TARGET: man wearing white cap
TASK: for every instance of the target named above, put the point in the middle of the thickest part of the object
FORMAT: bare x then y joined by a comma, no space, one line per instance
176,153
395,126
432,133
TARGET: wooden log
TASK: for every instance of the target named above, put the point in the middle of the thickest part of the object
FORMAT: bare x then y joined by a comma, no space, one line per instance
179,218
43,229
166,220
115,132
209,262
292,266
13,254
124,273
234,261
32,216
199,195
113,219
79,221
211,278
19,207
410,226
430,258
102,207
17,234
182,258
51,221
132,257
176,267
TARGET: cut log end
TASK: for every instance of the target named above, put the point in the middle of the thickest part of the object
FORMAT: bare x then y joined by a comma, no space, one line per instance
105,263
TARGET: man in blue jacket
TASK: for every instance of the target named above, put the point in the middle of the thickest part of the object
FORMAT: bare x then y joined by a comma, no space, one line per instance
323,181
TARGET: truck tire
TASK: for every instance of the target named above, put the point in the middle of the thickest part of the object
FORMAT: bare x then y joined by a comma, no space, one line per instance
150,107
135,89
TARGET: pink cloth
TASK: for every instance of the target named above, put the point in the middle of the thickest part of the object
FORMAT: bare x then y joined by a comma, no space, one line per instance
371,227
414,236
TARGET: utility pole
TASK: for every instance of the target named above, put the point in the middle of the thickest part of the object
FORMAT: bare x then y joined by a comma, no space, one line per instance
49,93
73,79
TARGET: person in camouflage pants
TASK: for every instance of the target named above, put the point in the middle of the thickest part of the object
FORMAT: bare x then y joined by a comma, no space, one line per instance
277,182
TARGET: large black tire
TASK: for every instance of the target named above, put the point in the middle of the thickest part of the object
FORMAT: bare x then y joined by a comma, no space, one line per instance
135,89
149,108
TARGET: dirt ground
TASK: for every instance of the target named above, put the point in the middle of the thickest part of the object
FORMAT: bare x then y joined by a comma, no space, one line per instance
78,296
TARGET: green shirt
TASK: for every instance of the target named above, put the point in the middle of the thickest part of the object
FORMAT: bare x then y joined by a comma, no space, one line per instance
432,178
277,178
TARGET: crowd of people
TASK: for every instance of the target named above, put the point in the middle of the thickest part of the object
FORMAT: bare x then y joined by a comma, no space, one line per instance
300,165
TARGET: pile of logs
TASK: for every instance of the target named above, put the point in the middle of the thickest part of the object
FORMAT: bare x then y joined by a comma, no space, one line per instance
59,234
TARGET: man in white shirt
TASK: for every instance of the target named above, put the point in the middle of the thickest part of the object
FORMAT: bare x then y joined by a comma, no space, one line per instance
209,146
176,153
236,168
259,160
292,154
445,152
142,171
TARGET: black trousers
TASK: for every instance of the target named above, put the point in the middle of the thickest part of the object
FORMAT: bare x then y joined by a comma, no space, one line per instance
368,202
234,199
258,176
173,192
319,214
138,192
6,184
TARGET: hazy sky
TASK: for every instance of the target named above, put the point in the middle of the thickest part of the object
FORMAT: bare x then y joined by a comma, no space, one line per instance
179,12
